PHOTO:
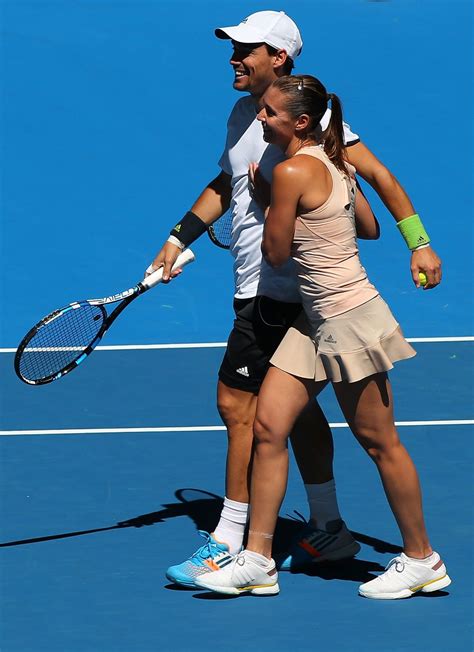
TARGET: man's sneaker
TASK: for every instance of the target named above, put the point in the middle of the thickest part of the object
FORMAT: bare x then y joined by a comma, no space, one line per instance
242,575
208,558
405,576
315,545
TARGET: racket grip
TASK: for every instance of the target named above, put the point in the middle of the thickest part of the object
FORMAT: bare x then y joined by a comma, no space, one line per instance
184,258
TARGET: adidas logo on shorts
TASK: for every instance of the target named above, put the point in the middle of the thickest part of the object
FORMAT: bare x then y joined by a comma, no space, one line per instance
330,339
243,371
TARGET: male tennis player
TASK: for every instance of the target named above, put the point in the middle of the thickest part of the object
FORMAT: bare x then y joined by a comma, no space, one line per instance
266,302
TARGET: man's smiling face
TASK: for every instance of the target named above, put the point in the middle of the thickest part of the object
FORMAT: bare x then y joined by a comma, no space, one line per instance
254,67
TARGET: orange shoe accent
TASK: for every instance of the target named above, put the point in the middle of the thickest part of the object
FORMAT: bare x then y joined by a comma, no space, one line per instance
212,564
309,549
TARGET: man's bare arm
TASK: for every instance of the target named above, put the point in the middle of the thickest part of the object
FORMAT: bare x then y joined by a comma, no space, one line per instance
214,199
213,202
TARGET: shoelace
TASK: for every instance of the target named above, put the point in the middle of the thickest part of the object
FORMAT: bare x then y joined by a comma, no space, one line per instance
240,559
205,551
397,563
300,519
305,530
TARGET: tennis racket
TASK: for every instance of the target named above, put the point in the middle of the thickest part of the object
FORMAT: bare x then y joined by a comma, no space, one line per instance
220,231
64,338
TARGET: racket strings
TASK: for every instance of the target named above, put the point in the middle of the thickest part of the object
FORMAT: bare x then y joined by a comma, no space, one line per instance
60,341
221,230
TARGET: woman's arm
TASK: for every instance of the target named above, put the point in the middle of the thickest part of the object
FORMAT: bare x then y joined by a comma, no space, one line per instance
280,223
367,226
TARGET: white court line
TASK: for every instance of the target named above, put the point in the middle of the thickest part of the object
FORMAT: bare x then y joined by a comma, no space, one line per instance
108,431
145,347
219,345
467,338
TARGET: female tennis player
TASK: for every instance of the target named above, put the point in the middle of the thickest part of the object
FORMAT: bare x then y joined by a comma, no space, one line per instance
354,342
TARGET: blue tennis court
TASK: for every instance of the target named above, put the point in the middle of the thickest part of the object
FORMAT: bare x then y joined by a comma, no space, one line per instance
113,120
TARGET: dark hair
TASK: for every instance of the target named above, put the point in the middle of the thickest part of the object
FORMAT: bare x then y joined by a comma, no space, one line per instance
307,95
288,66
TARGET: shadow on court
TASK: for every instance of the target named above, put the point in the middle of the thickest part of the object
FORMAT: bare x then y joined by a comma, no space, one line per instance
204,508
208,595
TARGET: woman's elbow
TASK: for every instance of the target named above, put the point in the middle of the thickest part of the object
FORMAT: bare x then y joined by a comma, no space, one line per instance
272,257
376,233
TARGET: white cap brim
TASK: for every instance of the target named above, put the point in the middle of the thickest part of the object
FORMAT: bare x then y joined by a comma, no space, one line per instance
241,34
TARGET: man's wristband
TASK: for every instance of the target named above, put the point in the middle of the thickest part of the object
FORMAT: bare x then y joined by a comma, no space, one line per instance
413,232
189,229
176,242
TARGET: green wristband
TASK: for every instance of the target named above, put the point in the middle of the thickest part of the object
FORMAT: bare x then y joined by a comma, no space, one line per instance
413,232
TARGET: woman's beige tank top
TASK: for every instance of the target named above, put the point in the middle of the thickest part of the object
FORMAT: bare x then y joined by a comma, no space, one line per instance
330,275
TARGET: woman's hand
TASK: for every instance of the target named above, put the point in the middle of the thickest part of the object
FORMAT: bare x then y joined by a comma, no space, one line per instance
426,260
259,188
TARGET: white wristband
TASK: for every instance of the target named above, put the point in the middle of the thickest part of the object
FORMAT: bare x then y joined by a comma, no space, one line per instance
421,247
176,242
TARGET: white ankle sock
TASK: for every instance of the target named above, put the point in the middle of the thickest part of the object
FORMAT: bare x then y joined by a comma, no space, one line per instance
231,526
322,500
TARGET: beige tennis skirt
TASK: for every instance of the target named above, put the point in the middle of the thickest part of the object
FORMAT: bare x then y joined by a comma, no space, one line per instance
349,347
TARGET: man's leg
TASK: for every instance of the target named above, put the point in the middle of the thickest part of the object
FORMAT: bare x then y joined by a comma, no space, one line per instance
237,410
312,444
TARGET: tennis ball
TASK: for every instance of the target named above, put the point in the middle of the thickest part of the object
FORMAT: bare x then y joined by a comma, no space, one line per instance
422,278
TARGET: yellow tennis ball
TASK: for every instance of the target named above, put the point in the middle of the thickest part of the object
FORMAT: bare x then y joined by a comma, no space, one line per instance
422,278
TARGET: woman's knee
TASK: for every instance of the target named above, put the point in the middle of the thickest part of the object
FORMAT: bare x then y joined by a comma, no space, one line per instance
266,431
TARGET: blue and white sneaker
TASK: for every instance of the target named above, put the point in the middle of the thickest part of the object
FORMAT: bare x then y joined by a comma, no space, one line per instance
314,546
210,557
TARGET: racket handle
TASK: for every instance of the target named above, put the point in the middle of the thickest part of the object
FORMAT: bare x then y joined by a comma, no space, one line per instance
184,258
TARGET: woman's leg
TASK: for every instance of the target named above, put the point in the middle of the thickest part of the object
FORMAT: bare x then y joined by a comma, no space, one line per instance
368,408
280,401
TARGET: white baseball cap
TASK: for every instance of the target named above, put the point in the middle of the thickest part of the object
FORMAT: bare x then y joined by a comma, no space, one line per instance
274,28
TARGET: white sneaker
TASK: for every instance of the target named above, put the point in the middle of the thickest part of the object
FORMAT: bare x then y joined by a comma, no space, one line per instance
242,575
405,576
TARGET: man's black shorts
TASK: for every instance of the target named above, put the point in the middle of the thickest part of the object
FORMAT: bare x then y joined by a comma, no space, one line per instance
259,326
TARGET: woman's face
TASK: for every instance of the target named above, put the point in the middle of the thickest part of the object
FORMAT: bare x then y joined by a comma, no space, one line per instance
278,125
